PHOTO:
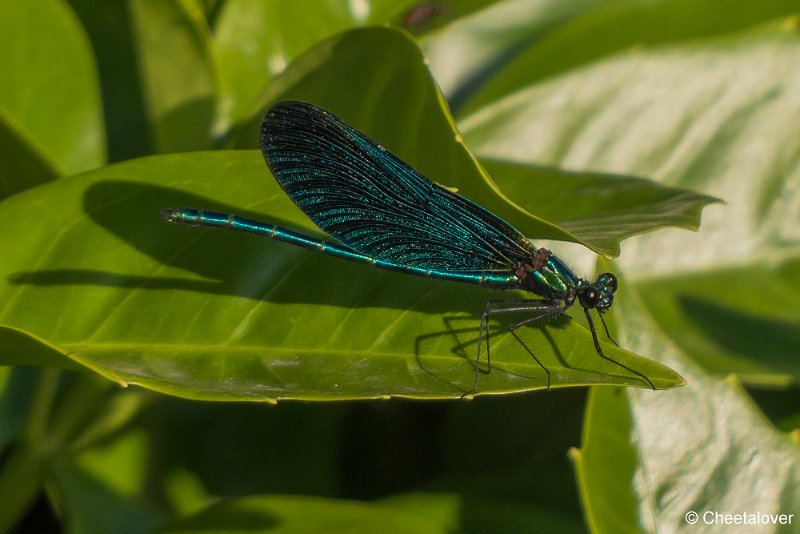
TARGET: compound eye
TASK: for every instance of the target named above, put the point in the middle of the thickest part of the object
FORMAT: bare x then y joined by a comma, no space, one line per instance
609,281
588,297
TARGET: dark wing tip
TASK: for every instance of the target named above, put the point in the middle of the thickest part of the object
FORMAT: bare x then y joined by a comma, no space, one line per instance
288,111
288,114
282,126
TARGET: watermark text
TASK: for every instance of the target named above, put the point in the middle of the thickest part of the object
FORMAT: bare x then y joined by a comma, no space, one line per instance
712,517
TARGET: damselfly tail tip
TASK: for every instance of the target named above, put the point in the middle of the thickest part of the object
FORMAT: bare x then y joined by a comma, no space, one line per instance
170,214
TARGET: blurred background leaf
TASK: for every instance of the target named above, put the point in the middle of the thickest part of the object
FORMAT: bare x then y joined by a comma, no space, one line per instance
50,118
157,73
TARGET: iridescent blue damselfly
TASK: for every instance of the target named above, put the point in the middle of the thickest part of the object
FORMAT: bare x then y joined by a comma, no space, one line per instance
384,213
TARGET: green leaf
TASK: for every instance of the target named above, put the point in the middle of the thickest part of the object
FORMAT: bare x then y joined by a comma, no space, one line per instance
207,8
100,488
25,348
22,163
285,513
617,27
599,210
606,462
50,116
752,331
16,389
442,508
180,101
471,51
157,72
276,33
267,320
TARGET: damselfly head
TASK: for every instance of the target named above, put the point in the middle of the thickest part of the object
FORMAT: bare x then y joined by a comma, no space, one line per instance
599,295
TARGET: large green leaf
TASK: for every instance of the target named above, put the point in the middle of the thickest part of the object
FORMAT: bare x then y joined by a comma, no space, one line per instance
50,118
265,312
700,449
208,314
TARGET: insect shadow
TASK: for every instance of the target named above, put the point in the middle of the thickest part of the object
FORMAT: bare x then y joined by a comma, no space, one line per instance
465,346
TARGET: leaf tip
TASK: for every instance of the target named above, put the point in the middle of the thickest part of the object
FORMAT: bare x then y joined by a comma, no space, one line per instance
670,381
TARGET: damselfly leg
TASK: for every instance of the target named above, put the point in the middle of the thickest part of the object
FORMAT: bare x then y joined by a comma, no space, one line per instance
600,350
541,311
